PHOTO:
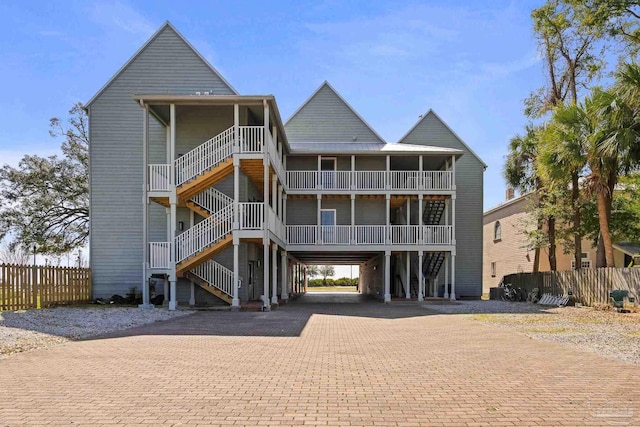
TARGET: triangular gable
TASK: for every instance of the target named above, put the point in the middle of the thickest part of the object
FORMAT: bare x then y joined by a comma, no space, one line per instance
327,117
167,26
432,130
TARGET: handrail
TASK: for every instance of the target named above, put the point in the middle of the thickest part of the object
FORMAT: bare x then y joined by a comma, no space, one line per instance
204,156
203,234
306,180
212,200
216,275
370,235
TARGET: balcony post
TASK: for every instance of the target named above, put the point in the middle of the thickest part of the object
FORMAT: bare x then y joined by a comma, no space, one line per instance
265,276
318,227
284,293
352,175
453,172
266,125
452,296
420,174
236,128
236,194
235,302
446,275
352,231
387,234
387,276
420,277
387,175
420,219
453,219
274,272
408,275
318,173
145,209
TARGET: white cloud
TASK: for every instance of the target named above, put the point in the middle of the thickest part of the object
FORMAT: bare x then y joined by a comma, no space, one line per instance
121,16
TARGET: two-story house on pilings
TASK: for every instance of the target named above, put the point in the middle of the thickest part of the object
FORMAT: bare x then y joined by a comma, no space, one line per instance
211,193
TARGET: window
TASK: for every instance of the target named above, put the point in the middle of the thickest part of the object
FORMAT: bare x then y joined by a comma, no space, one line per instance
585,262
493,269
497,231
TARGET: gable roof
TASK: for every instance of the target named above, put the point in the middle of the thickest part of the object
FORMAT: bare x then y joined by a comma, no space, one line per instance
313,99
433,114
164,26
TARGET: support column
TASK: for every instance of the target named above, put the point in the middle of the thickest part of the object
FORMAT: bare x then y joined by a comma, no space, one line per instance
265,277
420,275
166,291
274,272
408,275
446,275
319,220
173,304
387,233
236,194
235,302
306,281
452,296
352,231
192,298
145,209
387,276
284,293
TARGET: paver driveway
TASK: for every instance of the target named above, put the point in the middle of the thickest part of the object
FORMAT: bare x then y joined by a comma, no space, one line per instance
321,363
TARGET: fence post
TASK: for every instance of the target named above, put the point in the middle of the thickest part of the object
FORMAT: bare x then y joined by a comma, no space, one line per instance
34,286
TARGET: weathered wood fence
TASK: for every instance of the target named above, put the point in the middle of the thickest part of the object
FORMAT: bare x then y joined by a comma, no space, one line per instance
589,286
25,286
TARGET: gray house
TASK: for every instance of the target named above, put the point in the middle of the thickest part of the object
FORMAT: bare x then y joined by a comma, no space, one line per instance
205,196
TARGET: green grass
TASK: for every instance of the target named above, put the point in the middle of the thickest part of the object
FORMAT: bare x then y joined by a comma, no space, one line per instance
332,289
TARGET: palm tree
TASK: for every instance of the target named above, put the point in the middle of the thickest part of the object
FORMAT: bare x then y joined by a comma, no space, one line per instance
520,172
562,159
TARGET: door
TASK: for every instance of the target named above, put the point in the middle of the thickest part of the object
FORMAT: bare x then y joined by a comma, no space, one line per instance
328,223
328,172
251,280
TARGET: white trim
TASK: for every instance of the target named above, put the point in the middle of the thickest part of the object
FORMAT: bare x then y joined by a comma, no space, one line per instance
164,26
335,216
448,128
335,164
326,83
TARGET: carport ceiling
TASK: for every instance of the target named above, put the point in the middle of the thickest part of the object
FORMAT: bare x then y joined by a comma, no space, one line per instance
334,258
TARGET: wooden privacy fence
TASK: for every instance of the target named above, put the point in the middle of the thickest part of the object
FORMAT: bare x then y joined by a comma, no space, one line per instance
25,286
589,286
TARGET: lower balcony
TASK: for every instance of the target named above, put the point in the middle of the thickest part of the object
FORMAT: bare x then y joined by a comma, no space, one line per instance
423,235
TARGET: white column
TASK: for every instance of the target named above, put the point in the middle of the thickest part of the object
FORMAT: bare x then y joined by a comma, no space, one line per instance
352,232
318,233
318,178
387,174
420,175
387,233
236,194
236,128
453,219
145,208
408,275
284,208
452,296
446,275
172,300
420,219
352,176
284,294
266,123
274,192
265,276
420,276
387,276
235,302
192,298
274,272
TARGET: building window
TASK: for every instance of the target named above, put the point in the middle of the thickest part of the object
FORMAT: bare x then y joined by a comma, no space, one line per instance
493,269
497,231
585,262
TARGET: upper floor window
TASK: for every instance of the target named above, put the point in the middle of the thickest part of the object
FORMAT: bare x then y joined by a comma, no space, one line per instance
497,231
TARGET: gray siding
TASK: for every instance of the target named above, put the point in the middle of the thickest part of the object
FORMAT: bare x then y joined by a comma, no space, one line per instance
342,207
302,211
302,163
370,212
371,163
469,192
195,125
326,118
167,65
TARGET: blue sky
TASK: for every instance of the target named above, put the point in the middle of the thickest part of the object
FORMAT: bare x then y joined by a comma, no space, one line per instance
472,62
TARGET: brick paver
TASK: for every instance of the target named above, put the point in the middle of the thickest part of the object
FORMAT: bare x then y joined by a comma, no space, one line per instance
319,363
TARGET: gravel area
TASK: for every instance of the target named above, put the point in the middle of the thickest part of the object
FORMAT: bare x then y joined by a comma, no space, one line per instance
607,333
30,329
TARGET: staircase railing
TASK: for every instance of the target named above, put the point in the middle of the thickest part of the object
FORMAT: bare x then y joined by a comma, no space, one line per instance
215,275
203,234
204,156
212,200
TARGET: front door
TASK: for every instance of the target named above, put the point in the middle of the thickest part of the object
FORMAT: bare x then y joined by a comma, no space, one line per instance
328,172
328,222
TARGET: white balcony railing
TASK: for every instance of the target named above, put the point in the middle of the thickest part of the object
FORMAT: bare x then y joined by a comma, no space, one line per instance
370,235
159,254
370,180
159,177
251,215
251,139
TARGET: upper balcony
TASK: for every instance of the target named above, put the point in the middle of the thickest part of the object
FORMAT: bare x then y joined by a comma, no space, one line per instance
370,181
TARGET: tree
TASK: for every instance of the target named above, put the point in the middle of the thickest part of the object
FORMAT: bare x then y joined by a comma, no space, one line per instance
562,159
312,271
520,172
15,255
46,200
571,56
326,271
